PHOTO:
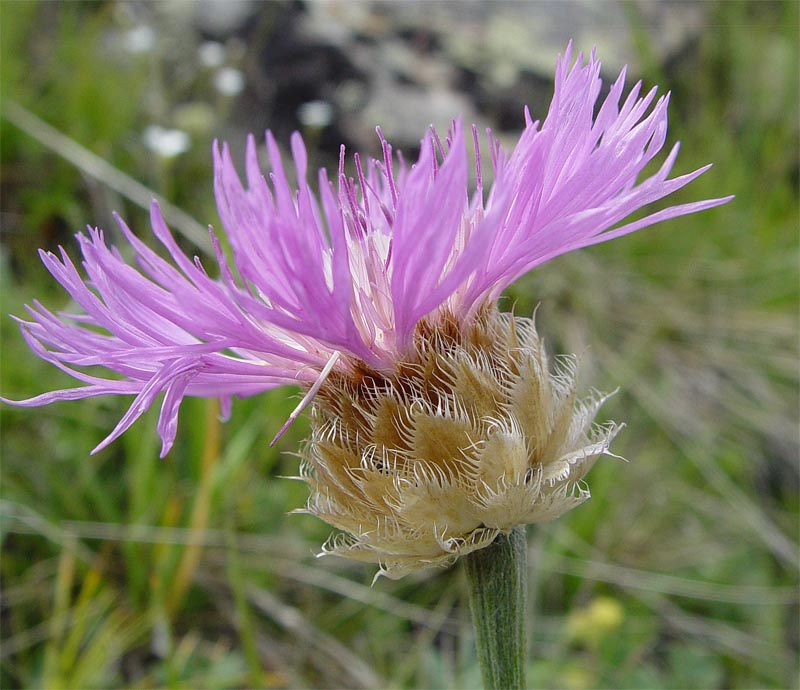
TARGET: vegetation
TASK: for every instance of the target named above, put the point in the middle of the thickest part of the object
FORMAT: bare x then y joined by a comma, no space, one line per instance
123,570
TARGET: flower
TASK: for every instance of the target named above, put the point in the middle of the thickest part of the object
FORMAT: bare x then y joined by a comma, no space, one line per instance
436,421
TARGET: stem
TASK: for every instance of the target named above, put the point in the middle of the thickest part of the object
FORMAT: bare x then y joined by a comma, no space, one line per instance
498,584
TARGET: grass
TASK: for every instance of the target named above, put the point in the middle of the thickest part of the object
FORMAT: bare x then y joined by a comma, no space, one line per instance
122,570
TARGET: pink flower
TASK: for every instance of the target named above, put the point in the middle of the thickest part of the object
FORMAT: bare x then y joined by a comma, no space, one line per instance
338,281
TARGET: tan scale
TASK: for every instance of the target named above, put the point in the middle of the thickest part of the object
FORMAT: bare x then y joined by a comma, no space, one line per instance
469,438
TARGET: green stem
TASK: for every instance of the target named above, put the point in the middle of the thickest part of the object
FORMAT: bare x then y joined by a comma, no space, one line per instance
498,583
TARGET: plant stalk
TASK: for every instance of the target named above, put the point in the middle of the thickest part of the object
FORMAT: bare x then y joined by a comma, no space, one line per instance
498,582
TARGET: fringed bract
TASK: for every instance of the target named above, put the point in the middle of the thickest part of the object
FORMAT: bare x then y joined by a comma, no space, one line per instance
469,438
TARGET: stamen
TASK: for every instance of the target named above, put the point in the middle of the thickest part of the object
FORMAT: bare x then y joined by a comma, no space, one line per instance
438,142
387,159
493,148
362,183
308,397
478,176
451,133
347,186
434,158
528,118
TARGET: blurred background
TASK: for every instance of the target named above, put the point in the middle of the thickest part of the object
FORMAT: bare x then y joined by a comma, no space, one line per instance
123,570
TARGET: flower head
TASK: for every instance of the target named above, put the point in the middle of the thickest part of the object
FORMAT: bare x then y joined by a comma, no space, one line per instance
378,295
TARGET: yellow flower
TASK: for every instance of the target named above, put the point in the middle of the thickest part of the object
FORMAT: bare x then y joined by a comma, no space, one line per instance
470,437
602,617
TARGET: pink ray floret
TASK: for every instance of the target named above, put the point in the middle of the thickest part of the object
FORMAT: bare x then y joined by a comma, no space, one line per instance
320,281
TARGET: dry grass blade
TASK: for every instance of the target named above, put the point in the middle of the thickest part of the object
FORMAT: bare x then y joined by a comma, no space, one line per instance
23,519
358,673
674,419
27,638
293,568
24,522
633,578
94,166
718,634
324,579
331,658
